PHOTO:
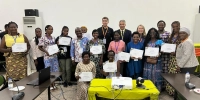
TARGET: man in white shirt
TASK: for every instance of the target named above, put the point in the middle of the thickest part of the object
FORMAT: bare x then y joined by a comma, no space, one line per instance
85,34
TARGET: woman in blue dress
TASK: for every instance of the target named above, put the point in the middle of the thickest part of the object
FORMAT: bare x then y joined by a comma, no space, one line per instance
153,70
134,66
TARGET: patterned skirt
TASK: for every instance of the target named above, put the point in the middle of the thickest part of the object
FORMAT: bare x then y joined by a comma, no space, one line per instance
82,90
171,69
52,62
153,73
16,64
96,60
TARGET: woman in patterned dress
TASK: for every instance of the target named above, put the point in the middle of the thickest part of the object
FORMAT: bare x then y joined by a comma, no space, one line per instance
46,41
172,62
164,35
84,66
153,71
97,59
16,62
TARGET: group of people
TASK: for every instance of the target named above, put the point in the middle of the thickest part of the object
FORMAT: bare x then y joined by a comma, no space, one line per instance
76,58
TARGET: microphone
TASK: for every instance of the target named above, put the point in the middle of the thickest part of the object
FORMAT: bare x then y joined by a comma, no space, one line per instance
19,95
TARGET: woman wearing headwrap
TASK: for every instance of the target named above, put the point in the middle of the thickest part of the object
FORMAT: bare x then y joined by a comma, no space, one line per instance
185,53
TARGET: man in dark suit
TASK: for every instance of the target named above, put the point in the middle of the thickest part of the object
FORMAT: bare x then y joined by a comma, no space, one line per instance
125,34
106,34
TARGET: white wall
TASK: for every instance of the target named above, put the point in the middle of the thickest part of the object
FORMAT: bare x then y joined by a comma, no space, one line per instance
74,13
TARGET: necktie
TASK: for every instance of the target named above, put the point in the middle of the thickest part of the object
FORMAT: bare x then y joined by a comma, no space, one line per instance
122,33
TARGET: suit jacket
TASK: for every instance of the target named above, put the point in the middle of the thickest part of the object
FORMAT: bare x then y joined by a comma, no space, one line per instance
126,37
185,55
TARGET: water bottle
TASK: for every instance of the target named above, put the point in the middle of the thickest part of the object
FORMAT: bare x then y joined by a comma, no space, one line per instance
187,77
10,84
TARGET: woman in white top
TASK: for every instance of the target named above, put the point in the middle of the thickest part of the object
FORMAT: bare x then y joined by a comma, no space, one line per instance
111,58
37,54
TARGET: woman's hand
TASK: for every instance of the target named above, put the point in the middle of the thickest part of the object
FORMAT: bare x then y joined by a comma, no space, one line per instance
100,62
78,77
178,69
133,58
36,62
47,53
173,53
9,49
140,58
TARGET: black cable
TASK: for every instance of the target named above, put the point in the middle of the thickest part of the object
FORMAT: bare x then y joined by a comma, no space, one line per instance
119,93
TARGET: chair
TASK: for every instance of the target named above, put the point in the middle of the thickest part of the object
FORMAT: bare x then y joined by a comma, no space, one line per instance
3,82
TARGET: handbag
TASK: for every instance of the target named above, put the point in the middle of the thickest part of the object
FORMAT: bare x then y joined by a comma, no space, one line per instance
152,60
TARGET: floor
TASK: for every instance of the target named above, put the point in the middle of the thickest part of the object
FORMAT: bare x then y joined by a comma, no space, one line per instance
70,93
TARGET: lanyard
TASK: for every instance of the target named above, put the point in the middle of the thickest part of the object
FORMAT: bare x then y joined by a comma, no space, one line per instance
14,38
104,33
116,47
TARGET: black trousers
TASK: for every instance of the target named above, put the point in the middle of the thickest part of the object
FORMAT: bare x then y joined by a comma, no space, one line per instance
191,70
40,65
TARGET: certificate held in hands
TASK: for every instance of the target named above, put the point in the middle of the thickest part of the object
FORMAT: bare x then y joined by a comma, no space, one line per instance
124,56
136,53
64,41
52,49
168,48
110,67
85,76
96,49
19,47
151,51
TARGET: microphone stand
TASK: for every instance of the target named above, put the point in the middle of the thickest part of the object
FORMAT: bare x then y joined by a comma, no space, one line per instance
19,95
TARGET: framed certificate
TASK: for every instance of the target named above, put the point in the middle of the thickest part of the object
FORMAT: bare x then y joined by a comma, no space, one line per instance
64,41
168,48
19,47
151,51
136,53
110,67
96,49
52,49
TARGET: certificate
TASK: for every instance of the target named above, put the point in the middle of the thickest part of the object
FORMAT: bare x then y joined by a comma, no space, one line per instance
110,67
96,49
64,41
124,56
52,49
85,76
168,48
136,53
19,47
151,51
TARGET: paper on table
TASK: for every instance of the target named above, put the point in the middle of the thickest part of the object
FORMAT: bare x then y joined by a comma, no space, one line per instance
124,56
64,41
19,47
151,51
86,76
136,53
110,67
168,48
96,49
52,49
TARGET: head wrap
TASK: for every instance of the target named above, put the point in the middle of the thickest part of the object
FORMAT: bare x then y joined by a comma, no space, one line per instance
186,30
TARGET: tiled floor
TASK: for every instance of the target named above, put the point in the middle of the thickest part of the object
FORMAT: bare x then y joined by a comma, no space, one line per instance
70,94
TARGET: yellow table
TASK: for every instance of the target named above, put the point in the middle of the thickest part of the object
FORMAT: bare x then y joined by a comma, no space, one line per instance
102,88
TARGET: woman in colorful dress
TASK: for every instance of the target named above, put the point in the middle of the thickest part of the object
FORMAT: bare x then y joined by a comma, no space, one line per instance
172,69
164,35
16,62
96,58
152,71
84,66
134,67
46,41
